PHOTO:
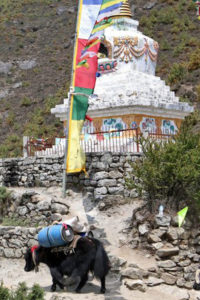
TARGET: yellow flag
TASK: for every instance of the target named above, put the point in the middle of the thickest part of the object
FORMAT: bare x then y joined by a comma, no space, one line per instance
181,216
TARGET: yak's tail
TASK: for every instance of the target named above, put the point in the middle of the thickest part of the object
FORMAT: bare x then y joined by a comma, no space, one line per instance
101,263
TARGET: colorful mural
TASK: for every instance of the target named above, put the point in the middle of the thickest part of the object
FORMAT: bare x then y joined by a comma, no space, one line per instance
169,127
133,125
148,125
113,124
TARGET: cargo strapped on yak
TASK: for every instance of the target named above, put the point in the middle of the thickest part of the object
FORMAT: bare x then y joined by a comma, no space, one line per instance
69,248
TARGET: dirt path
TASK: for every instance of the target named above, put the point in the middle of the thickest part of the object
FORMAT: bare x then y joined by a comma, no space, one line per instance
109,226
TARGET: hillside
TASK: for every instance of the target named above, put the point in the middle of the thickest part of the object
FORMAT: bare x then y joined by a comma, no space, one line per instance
36,47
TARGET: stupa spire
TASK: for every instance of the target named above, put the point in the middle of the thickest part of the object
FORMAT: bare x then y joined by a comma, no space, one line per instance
125,10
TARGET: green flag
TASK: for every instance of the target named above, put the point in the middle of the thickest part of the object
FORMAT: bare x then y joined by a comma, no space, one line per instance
181,216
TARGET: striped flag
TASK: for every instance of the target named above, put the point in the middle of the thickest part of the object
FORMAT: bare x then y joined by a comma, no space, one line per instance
93,18
108,9
84,78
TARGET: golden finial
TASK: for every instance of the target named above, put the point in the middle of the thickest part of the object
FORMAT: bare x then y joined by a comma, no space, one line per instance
125,10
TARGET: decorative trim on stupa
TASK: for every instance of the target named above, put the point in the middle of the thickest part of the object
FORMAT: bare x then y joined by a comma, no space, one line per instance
125,10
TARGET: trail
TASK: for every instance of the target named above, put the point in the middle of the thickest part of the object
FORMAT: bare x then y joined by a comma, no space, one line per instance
109,226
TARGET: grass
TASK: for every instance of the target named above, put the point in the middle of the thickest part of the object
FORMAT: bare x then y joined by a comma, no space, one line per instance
14,221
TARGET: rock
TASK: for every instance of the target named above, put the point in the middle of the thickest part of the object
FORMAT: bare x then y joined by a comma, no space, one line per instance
115,174
5,67
9,253
168,278
101,175
134,193
56,217
110,201
152,238
18,253
106,158
162,221
17,85
60,10
165,252
27,64
189,276
174,221
107,182
150,5
184,263
100,191
116,190
157,246
43,205
153,281
190,269
71,10
172,234
22,211
166,264
132,273
135,285
4,93
116,262
143,229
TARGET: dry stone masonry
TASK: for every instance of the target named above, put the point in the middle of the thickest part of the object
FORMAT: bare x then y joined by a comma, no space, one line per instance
106,173
177,250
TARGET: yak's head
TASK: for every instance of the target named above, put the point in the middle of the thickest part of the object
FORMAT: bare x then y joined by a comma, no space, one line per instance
30,259
196,285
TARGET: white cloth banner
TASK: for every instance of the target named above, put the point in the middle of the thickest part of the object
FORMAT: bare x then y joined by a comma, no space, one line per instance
88,15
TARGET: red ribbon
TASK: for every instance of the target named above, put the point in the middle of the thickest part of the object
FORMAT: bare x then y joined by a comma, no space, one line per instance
34,248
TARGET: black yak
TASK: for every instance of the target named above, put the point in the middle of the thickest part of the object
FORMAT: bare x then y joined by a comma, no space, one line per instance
89,255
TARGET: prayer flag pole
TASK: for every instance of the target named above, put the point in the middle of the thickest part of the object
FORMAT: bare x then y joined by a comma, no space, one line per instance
68,109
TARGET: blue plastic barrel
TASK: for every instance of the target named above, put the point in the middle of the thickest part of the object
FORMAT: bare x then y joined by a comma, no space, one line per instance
51,236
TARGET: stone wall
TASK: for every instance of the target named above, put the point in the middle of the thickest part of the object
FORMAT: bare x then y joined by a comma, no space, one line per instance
106,173
177,250
15,240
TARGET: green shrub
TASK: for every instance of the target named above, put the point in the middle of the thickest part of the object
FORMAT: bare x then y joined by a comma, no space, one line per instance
12,147
25,102
22,293
14,221
170,171
194,60
177,72
4,198
198,92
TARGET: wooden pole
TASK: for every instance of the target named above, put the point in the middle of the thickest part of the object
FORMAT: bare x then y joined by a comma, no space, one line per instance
64,184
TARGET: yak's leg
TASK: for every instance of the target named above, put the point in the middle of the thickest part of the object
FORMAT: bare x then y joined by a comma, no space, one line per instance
82,283
53,287
57,279
103,285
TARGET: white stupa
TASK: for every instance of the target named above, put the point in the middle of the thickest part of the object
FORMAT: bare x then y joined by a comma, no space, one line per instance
128,92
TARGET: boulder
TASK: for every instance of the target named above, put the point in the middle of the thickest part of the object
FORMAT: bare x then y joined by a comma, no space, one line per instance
153,281
143,229
115,174
132,273
166,264
163,221
59,208
152,238
168,278
172,234
107,182
43,205
5,67
101,175
135,285
166,252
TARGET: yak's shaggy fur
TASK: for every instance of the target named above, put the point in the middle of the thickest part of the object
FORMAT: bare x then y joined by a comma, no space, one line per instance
89,256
